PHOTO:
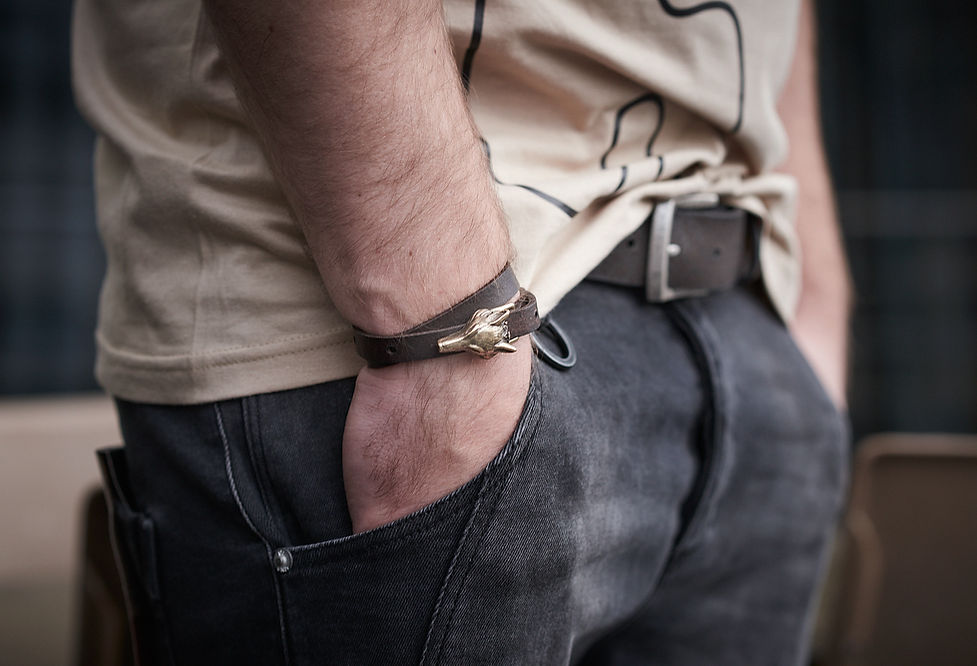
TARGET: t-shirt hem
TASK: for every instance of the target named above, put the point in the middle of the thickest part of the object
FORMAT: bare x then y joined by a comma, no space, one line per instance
195,379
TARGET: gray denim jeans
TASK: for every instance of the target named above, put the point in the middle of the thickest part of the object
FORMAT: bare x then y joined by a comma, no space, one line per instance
669,500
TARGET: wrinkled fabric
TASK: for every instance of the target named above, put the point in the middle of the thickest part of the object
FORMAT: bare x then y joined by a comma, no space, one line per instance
668,500
590,113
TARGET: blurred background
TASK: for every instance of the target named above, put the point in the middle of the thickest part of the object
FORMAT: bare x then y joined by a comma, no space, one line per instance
899,98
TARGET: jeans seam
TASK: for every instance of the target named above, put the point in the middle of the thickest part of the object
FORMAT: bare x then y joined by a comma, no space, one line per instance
439,652
251,418
280,603
229,473
713,435
464,577
489,479
500,484
376,548
447,576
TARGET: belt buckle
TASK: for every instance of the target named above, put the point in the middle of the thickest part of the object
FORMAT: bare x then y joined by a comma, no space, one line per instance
660,251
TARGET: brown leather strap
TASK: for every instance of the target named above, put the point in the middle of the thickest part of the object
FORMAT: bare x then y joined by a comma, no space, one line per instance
713,249
421,341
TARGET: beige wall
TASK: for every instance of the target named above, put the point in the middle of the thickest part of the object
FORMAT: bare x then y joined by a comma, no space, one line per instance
47,465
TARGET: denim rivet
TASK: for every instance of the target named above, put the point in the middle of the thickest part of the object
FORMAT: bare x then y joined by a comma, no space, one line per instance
283,560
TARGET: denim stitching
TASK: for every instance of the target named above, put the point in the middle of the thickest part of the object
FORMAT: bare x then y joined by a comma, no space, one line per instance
691,320
251,411
229,472
387,543
378,548
503,481
447,576
280,602
117,485
461,588
464,577
520,440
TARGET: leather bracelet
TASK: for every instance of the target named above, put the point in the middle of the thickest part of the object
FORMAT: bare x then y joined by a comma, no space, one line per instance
478,325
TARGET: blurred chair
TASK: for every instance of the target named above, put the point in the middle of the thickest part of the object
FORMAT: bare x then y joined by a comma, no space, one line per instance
104,634
903,585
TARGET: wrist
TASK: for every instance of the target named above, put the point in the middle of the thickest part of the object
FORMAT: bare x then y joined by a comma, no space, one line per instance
484,323
389,296
459,381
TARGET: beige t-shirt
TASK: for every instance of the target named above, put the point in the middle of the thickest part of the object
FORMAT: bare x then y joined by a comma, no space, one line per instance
590,111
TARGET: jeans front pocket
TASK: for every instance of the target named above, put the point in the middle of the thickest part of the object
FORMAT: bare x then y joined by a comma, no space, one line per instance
134,542
366,597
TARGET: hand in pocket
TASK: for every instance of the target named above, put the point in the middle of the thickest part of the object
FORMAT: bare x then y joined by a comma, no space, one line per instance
417,431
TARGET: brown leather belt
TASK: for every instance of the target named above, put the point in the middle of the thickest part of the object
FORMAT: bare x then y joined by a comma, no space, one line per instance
680,252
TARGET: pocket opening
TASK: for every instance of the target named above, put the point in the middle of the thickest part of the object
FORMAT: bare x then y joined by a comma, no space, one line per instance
429,516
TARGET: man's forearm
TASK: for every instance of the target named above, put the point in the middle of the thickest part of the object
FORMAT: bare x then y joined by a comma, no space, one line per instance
362,113
821,323
361,109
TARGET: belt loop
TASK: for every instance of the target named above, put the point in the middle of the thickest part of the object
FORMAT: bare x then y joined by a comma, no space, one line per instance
755,229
